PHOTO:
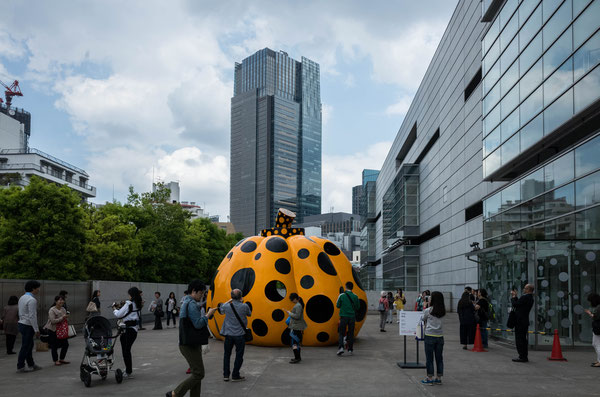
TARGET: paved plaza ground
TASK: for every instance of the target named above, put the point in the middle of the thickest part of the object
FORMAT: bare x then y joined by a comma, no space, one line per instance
372,371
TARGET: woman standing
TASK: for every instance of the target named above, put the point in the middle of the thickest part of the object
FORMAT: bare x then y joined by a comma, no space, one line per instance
10,319
466,316
171,305
58,328
434,337
383,308
594,300
297,326
130,315
390,298
483,308
96,301
399,302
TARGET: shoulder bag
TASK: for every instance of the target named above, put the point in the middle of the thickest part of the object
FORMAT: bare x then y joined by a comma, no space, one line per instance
189,335
91,307
248,332
62,329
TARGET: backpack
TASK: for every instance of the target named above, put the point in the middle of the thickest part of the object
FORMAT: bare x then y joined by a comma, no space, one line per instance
491,312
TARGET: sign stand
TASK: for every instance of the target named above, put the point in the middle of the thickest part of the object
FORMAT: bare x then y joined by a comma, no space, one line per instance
407,327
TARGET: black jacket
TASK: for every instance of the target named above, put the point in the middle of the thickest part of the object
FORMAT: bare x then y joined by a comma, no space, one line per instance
484,307
466,314
522,308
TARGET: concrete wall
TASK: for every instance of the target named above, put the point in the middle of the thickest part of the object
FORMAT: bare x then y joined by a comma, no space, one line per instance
12,133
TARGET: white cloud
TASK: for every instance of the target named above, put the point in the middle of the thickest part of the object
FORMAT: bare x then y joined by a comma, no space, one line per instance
326,114
400,107
341,173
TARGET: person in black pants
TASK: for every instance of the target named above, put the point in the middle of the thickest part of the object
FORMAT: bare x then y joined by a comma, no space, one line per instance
129,313
522,307
466,316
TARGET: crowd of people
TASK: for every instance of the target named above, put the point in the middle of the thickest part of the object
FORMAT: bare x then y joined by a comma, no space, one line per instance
474,309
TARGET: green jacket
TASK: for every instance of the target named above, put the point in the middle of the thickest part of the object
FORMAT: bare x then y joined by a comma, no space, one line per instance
348,307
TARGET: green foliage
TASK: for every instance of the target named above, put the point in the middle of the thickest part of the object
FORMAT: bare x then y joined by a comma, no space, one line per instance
47,233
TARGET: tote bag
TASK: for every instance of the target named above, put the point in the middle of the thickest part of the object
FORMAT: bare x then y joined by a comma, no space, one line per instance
62,330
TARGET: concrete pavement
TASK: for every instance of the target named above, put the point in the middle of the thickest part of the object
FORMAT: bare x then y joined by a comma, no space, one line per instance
372,370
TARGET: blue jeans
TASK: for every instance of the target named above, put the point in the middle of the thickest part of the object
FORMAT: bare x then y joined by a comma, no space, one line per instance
26,352
484,333
434,346
240,346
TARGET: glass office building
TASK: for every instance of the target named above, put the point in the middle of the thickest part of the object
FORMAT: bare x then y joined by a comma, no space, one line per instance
275,140
541,137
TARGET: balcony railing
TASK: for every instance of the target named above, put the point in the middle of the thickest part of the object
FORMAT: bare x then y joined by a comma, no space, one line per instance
43,170
43,154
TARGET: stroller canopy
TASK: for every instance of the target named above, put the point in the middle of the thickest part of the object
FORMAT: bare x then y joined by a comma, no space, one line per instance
96,327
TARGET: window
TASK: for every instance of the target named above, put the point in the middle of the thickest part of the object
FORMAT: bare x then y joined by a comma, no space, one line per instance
445,193
491,142
473,211
473,84
586,24
531,106
530,54
510,125
586,157
410,140
532,26
559,112
587,191
587,90
532,132
559,171
510,149
587,56
531,80
557,53
510,78
532,185
428,147
560,80
557,23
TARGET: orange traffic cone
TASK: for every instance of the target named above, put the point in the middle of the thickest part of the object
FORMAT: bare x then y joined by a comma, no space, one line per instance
556,349
478,346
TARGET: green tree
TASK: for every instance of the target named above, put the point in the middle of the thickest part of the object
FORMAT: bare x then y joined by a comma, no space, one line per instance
41,232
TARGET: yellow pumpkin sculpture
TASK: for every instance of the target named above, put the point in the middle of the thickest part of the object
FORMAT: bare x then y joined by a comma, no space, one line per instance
269,267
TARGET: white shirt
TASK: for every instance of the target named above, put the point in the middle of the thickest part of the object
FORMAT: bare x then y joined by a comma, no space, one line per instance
133,316
28,311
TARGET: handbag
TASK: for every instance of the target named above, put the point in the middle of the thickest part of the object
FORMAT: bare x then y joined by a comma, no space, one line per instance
41,346
420,333
248,332
62,330
91,307
512,319
72,331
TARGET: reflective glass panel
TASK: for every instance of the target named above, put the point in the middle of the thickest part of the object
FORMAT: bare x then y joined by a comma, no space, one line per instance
559,112
532,105
492,162
532,185
510,149
587,23
509,102
560,80
588,223
579,5
587,157
491,142
491,120
491,78
492,205
587,191
559,171
510,30
491,35
530,28
511,195
533,211
587,90
549,7
530,54
557,23
587,56
510,125
532,132
509,7
531,80
525,10
557,53
491,57
509,78
491,99
507,58
560,201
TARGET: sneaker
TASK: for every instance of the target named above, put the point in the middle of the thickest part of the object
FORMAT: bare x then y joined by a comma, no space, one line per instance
427,381
35,367
24,369
350,352
437,381
294,361
340,351
128,376
226,378
240,379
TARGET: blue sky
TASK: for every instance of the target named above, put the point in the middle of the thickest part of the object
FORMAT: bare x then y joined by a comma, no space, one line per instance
130,89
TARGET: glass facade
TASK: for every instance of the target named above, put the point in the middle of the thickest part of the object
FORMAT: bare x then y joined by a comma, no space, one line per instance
275,140
540,68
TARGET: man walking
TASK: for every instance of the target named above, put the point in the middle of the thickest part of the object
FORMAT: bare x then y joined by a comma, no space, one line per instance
522,307
348,304
234,331
28,326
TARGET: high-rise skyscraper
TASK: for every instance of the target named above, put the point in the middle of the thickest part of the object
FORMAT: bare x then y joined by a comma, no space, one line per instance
275,140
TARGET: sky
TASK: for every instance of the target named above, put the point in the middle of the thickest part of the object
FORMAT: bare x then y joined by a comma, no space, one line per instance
136,90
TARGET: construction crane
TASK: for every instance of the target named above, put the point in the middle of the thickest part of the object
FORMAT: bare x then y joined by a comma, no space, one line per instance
10,92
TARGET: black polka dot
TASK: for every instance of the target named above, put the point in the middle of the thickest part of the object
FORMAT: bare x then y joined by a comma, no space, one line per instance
307,282
274,290
362,311
303,253
257,257
322,336
356,278
319,308
259,327
249,305
229,255
331,248
241,241
212,286
276,244
285,337
243,279
283,266
277,315
248,246
325,264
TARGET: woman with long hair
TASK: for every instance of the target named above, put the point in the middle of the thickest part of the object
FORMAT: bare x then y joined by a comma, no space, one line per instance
297,325
466,316
434,337
10,323
129,313
483,307
171,308
57,317
96,300
594,313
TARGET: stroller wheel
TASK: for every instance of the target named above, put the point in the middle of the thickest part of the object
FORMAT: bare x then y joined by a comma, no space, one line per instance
88,379
82,374
119,375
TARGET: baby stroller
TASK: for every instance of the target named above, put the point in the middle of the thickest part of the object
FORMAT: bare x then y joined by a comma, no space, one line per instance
99,348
